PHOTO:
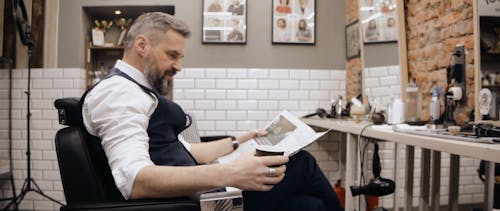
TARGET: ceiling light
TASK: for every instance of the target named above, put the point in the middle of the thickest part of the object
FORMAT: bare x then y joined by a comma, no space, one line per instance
117,12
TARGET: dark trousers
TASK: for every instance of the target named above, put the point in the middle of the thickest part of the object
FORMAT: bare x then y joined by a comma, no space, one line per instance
304,188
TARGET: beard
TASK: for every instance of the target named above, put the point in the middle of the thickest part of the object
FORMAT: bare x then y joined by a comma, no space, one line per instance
157,78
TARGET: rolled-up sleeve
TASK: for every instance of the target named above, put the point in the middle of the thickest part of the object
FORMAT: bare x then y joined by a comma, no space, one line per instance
118,111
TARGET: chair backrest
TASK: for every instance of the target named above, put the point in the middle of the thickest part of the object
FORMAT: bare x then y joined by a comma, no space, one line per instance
84,168
191,134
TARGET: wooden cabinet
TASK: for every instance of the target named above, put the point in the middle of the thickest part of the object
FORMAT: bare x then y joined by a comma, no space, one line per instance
490,63
99,60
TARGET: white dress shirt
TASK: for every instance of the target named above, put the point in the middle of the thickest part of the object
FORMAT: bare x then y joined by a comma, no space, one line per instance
118,111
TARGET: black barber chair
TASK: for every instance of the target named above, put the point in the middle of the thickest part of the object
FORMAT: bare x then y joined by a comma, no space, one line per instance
85,174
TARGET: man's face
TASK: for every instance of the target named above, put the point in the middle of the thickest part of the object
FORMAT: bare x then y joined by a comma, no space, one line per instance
164,60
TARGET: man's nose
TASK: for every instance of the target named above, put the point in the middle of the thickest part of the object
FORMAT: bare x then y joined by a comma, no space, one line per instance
177,66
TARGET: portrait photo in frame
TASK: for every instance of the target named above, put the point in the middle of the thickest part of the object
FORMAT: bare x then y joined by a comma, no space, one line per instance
294,22
352,40
379,19
224,22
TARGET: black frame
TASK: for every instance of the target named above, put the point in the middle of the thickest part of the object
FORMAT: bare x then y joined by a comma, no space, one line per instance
349,43
294,17
226,17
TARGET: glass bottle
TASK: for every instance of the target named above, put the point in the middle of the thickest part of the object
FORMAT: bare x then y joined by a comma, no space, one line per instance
413,104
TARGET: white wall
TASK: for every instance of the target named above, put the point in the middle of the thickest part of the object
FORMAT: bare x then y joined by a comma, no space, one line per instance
329,51
47,85
225,101
382,83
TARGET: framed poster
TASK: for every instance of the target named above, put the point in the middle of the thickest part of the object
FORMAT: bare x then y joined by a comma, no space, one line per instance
379,19
224,21
294,22
352,40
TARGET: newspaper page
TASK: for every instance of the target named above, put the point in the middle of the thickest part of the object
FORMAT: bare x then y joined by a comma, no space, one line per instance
285,133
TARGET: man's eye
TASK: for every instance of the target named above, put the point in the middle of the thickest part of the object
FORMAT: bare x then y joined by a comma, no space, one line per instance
173,55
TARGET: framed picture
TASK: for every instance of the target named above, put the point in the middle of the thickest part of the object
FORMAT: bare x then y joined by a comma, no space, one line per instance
379,19
294,22
352,40
224,21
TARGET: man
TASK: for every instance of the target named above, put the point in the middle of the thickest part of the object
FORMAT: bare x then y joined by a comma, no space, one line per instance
236,8
139,130
235,34
215,6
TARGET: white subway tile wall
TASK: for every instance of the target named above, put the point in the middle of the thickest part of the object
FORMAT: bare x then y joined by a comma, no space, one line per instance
224,101
382,83
47,85
254,93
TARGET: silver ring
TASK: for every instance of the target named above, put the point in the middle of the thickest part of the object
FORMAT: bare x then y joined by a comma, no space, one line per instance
271,172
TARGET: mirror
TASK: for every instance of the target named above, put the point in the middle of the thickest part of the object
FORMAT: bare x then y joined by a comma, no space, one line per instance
487,37
22,22
380,51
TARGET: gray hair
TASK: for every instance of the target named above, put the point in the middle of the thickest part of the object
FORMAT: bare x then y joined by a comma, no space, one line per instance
151,24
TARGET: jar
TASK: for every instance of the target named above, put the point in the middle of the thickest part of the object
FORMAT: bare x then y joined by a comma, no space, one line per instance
413,104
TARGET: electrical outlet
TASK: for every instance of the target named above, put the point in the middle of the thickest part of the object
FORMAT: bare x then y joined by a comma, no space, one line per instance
459,68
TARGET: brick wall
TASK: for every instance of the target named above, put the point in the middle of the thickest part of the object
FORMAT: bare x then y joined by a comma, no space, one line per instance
353,78
433,30
353,66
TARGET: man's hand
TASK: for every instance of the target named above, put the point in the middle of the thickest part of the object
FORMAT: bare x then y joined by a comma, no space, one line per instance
249,172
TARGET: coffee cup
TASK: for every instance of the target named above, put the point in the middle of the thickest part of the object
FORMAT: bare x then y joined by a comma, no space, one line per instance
265,150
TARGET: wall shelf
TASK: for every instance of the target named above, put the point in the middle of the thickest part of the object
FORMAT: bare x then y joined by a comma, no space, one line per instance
100,59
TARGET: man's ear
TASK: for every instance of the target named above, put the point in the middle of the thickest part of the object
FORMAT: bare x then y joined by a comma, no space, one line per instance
141,45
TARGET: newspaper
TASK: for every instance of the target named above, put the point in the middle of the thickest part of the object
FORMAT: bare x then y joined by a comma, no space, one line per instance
285,133
222,201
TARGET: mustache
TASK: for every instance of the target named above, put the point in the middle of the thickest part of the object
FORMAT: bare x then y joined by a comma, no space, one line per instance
170,72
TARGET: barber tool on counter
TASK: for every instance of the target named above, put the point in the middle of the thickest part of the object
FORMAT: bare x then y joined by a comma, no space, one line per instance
395,111
333,106
320,112
377,114
342,108
338,109
357,109
413,105
453,95
434,106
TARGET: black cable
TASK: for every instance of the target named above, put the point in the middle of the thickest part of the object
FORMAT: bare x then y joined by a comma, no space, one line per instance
9,63
11,162
362,159
362,155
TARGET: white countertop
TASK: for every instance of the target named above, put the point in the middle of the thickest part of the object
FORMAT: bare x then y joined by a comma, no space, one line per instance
490,152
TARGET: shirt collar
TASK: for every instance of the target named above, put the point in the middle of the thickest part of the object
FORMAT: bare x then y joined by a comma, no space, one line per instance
132,72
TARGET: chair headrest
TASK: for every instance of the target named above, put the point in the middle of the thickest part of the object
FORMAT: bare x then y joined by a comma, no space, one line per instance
69,111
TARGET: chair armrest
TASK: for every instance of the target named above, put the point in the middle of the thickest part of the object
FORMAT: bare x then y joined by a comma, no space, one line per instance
212,138
133,205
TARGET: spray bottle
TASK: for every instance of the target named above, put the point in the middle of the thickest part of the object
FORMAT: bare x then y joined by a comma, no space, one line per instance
434,107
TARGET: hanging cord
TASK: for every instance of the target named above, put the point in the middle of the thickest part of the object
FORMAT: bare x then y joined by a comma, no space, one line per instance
362,159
